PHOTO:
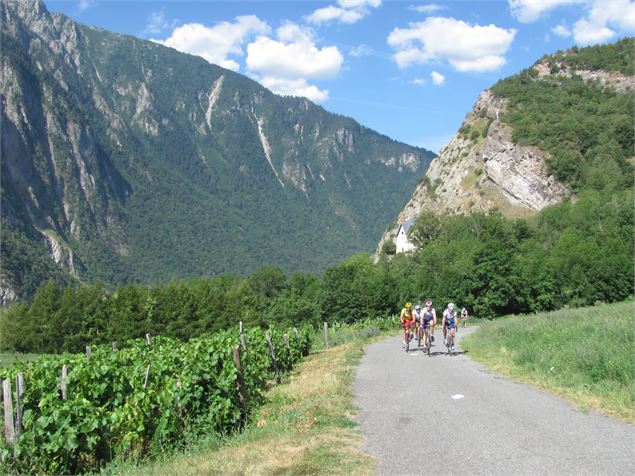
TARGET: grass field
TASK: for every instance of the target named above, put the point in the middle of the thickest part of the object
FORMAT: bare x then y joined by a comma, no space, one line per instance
7,358
304,428
586,355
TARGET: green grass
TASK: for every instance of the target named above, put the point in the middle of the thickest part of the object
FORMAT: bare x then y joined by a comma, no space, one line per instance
304,428
7,358
586,355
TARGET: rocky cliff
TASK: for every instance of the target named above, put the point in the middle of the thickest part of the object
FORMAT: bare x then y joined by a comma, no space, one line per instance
483,169
126,160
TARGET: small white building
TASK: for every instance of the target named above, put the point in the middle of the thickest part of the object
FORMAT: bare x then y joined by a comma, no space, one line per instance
402,242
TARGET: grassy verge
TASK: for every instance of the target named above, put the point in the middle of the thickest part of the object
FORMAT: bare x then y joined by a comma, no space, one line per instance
304,428
586,355
7,358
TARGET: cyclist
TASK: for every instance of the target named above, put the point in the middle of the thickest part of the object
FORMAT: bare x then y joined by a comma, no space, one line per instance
407,319
430,315
464,316
449,322
418,318
428,322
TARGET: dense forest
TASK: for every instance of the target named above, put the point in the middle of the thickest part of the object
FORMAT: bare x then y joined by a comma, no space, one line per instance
573,254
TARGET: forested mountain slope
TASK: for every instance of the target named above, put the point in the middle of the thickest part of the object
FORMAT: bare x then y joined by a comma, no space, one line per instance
124,160
535,139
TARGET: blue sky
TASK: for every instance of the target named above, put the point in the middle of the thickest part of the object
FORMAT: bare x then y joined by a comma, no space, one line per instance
408,69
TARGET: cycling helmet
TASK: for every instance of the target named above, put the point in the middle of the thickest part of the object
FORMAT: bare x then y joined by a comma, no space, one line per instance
428,302
418,307
451,307
408,305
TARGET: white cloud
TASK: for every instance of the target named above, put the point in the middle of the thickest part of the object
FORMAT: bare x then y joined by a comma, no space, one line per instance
419,82
603,19
561,30
216,43
465,47
361,50
294,87
156,23
286,64
437,78
293,55
589,33
349,11
83,5
330,13
529,11
359,3
427,9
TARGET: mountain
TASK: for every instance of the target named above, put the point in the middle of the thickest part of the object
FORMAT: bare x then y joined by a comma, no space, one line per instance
127,161
538,138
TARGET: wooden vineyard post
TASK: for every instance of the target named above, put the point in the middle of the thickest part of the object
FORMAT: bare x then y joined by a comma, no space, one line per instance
149,339
8,412
63,383
19,392
286,341
89,352
273,357
326,335
242,388
145,381
243,339
297,334
114,345
243,342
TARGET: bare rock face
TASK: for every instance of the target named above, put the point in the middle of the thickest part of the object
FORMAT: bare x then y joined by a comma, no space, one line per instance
520,172
481,170
608,79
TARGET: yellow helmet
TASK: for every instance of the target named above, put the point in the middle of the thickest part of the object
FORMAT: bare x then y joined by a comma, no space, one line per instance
408,305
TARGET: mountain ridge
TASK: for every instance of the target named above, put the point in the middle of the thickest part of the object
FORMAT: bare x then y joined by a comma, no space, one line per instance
134,162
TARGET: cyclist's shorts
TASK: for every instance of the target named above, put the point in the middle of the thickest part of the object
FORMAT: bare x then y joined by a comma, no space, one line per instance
408,323
427,324
450,326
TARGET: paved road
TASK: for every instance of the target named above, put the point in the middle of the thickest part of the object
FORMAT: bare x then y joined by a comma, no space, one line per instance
462,419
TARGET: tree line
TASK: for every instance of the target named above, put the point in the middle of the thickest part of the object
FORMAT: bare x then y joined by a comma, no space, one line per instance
572,254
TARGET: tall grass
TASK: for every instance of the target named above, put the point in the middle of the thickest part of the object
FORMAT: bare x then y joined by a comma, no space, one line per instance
586,354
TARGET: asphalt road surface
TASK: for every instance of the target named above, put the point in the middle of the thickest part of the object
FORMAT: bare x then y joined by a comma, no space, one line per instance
448,415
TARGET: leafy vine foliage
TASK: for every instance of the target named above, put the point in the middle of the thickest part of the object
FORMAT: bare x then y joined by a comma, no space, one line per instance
192,390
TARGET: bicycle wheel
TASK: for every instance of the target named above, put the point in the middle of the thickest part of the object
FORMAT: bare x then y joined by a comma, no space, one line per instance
419,338
407,342
428,343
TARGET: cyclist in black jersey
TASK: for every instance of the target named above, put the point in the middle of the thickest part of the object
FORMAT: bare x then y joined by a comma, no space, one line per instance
429,320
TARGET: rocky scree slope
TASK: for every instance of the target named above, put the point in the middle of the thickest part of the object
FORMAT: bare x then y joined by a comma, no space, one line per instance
482,169
124,160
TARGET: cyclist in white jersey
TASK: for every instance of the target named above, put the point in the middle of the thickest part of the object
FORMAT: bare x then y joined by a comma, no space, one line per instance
449,321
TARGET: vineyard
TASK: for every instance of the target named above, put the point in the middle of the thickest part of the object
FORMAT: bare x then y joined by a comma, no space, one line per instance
79,411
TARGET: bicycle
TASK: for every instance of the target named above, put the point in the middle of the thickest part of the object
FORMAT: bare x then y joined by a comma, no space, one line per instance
419,334
426,343
407,337
449,342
